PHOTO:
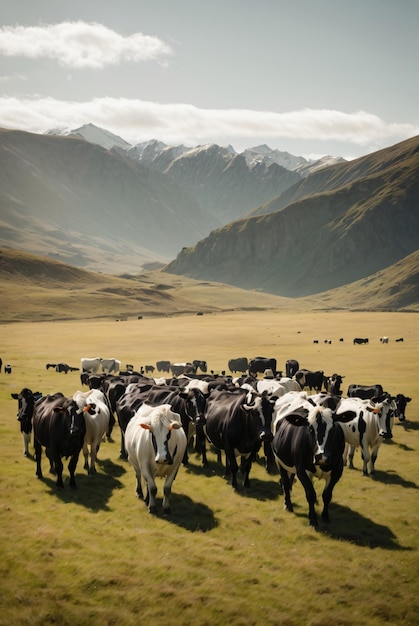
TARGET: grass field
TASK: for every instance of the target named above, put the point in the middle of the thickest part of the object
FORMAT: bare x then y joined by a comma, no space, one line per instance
96,556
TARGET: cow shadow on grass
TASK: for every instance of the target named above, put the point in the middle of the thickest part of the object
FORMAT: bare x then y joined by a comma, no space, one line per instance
351,526
392,478
187,514
92,492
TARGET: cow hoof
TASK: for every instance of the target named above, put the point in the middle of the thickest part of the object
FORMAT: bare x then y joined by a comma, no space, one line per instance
92,471
152,510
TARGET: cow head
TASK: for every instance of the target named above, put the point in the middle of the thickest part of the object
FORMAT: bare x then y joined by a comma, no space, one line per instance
195,403
26,401
261,410
383,407
161,423
320,420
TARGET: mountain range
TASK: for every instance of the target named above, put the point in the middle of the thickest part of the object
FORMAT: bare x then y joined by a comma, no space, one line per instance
260,220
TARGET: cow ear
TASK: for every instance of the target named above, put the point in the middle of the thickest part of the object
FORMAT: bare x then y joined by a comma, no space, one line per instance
175,425
408,399
146,426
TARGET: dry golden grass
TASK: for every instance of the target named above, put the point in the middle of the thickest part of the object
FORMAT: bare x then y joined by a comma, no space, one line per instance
95,556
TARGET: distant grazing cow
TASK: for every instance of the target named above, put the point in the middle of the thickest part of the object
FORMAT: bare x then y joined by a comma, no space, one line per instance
96,416
384,339
308,444
90,365
260,364
399,339
312,380
365,423
149,369
291,367
238,422
163,366
315,341
8,368
155,443
58,426
64,367
365,392
26,402
240,364
110,366
360,340
202,365
178,369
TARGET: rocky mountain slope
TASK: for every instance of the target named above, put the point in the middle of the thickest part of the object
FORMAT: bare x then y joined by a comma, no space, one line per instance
337,226
89,206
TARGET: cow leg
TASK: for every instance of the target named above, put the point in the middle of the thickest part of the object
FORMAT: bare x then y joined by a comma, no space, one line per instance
351,453
94,449
26,442
245,467
311,497
151,496
286,488
373,459
123,453
38,455
111,425
86,455
270,464
328,490
366,458
59,469
231,467
72,469
200,444
167,490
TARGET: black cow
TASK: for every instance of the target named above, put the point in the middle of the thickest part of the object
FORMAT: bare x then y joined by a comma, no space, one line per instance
58,426
163,366
64,367
26,401
360,340
291,368
365,392
308,444
238,365
202,365
238,422
312,380
399,339
260,363
332,384
401,402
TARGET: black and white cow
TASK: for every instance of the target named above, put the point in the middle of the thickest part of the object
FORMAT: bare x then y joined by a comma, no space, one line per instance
155,443
307,443
238,422
200,365
310,379
360,340
59,426
365,423
26,402
332,384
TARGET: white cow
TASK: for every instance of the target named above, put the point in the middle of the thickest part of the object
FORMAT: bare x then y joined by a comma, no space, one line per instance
96,417
155,443
276,387
110,366
365,423
90,365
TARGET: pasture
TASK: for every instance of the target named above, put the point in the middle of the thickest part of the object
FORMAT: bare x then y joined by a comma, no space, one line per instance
96,556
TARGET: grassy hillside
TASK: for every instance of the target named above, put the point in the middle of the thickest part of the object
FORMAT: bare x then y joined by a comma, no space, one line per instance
38,289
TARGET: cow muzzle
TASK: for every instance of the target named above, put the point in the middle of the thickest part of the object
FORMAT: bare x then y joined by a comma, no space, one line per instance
265,435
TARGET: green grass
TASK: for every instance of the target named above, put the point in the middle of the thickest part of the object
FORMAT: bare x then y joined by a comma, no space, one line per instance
96,556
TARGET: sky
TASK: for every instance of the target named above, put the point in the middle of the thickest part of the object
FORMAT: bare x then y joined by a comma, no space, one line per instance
310,77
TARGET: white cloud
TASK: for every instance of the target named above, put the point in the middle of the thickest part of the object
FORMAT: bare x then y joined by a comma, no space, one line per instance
174,124
80,44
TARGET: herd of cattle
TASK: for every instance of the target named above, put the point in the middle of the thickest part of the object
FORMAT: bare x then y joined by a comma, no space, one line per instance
300,423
